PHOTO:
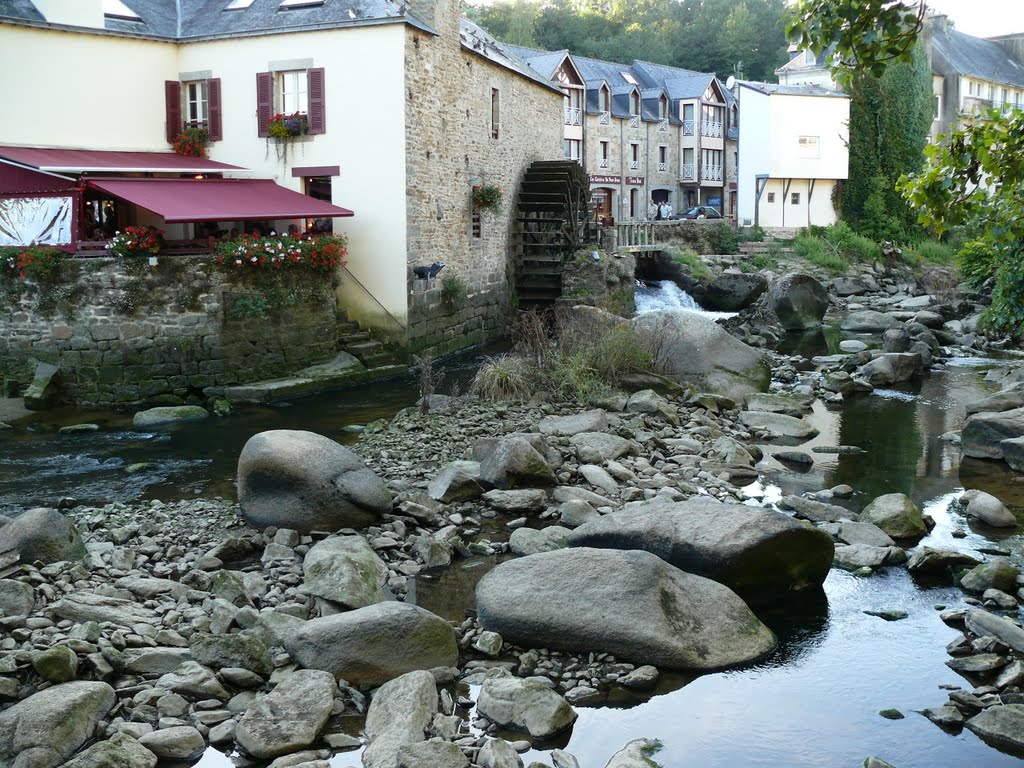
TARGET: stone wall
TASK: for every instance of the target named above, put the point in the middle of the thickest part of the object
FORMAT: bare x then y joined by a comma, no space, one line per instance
162,338
450,149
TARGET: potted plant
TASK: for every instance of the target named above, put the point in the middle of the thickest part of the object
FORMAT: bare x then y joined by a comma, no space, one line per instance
287,126
487,197
192,141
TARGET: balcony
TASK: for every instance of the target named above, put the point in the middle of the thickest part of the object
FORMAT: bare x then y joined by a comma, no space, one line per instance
662,167
711,128
573,116
688,128
663,125
602,162
634,165
634,121
689,172
604,117
711,173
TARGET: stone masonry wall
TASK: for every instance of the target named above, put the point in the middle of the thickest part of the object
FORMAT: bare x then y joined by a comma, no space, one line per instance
449,150
124,341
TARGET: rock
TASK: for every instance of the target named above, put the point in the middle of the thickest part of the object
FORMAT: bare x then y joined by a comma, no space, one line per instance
636,754
876,762
787,404
758,553
991,511
372,645
864,533
983,433
166,415
1002,726
119,751
488,643
515,461
1013,452
57,665
599,447
16,598
697,351
432,552
523,705
630,603
778,425
895,514
301,480
850,286
799,301
400,713
733,291
934,560
891,368
576,512
193,681
347,571
650,402
498,753
517,502
816,511
855,556
44,535
433,754
86,606
643,678
889,615
947,716
48,727
45,390
983,623
978,664
236,650
530,541
1007,400
290,717
181,742
573,424
457,481
868,321
997,574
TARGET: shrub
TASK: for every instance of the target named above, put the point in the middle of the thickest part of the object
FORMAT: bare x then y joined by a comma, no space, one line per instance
509,377
249,306
762,261
723,239
754,234
453,290
191,142
316,254
41,262
977,262
935,253
696,264
811,248
1007,310
9,260
849,244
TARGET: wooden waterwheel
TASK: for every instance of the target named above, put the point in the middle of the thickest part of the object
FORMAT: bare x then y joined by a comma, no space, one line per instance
552,223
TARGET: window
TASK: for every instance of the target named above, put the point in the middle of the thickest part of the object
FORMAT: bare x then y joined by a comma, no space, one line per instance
662,158
476,225
572,148
294,91
629,78
970,87
495,113
196,103
794,198
287,4
634,156
115,9
634,103
602,157
193,104
938,107
238,5
771,197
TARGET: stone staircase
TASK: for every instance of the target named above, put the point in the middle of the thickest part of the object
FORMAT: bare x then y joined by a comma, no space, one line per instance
358,343
752,249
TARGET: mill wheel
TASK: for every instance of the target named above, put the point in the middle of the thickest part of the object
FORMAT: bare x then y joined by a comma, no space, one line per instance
553,222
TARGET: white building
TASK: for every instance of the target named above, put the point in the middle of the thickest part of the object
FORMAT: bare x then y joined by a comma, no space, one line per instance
793,154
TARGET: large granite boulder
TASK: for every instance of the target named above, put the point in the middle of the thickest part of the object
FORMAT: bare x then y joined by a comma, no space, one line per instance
400,713
758,553
47,728
517,460
891,368
42,534
302,480
779,426
235,650
16,598
733,291
636,754
372,645
164,416
523,705
119,751
346,571
696,350
868,321
983,433
45,390
1002,726
630,603
895,514
989,510
290,717
799,301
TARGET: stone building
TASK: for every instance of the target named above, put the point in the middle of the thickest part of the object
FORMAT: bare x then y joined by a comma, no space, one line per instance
406,107
645,131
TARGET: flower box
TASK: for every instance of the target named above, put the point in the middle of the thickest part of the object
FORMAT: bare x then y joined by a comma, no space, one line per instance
287,126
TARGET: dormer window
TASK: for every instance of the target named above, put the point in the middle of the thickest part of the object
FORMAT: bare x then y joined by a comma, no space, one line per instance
634,103
115,9
287,5
662,108
629,78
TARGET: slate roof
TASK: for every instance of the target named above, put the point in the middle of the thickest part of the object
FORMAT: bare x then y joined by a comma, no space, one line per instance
978,57
544,62
475,39
792,90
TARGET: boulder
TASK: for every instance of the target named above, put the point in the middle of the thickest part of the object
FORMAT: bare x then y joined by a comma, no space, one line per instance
400,713
864,533
523,705
1002,726
997,574
119,751
696,350
799,301
56,665
530,541
850,286
522,501
636,754
758,553
868,321
778,425
515,461
167,415
1007,400
44,535
45,390
816,511
194,681
290,717
372,645
895,514
435,753
733,291
301,480
983,623
630,603
47,728
572,424
599,447
935,560
347,571
853,556
983,433
179,742
16,598
1013,452
86,606
235,650
891,368
788,404
457,481
990,510
650,402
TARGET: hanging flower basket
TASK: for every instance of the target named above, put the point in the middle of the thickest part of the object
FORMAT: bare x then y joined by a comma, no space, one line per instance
487,197
191,142
287,126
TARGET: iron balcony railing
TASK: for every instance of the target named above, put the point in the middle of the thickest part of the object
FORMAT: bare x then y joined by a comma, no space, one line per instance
573,116
663,124
634,165
604,117
602,162
687,127
711,173
662,166
710,128
689,172
634,121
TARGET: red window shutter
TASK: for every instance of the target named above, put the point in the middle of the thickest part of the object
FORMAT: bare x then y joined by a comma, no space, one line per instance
213,94
264,101
317,107
172,100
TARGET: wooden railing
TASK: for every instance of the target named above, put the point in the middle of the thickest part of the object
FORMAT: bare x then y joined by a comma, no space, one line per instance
91,249
635,235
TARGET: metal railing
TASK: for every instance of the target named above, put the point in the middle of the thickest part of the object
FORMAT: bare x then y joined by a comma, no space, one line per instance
687,127
634,121
689,172
634,165
662,166
711,173
663,124
602,162
604,117
573,116
710,128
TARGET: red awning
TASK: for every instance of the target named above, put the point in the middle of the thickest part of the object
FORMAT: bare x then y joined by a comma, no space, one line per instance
103,161
184,200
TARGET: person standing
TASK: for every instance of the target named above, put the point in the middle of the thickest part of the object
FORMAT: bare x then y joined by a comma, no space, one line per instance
653,211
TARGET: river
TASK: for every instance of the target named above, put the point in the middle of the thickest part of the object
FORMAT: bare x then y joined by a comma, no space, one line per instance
813,702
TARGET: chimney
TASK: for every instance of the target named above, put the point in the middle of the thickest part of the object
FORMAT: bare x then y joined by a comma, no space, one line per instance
72,13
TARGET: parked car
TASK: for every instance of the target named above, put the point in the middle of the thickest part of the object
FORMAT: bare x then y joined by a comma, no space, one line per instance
701,212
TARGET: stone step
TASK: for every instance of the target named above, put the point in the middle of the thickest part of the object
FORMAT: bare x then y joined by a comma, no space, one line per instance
354,338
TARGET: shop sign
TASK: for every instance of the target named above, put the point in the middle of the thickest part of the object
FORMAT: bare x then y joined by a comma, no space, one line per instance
605,179
635,181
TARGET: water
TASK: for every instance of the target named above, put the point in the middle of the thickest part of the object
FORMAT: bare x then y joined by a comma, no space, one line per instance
665,294
813,702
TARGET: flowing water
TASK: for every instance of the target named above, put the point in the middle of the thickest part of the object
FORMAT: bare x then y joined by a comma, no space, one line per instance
813,702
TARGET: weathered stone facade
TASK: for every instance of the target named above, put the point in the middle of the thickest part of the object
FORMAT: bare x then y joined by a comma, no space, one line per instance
449,149
162,352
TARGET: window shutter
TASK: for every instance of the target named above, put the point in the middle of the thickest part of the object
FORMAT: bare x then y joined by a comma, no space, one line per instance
213,95
264,101
317,107
172,101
